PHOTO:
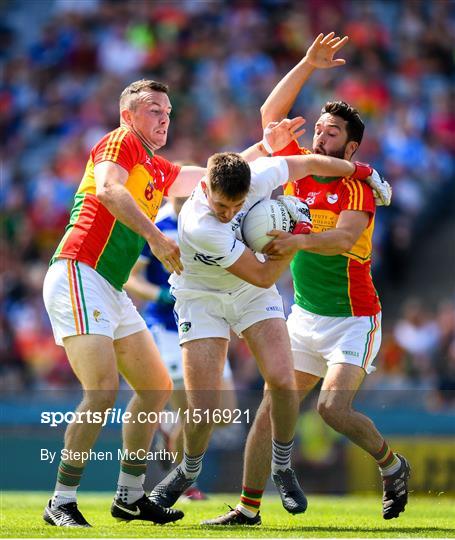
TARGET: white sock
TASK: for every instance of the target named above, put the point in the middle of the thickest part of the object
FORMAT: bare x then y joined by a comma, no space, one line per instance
130,487
245,511
191,465
281,455
64,496
392,468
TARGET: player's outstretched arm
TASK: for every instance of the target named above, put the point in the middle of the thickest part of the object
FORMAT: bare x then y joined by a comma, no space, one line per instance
320,55
260,274
316,164
341,239
110,181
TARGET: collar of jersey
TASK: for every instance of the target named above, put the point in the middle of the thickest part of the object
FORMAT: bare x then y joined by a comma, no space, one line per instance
149,152
325,179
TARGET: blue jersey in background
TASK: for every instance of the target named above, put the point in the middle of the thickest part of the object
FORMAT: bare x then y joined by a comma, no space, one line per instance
153,312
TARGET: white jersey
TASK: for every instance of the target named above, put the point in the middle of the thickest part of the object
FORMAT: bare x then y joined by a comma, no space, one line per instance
208,246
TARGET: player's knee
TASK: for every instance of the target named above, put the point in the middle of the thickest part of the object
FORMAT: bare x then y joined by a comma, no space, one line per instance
156,398
166,392
331,413
281,380
167,387
101,399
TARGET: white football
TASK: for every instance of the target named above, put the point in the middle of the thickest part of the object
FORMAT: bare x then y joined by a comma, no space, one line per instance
263,217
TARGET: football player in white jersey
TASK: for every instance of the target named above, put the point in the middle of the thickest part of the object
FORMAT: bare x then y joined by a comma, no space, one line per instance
149,281
225,286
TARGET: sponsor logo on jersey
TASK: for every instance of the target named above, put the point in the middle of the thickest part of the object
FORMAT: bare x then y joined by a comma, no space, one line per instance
185,326
311,197
209,260
332,198
237,220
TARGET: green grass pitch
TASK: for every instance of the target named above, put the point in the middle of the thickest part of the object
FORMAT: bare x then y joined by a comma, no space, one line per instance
348,516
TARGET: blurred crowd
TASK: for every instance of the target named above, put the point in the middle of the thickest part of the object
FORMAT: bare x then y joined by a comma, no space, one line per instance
65,62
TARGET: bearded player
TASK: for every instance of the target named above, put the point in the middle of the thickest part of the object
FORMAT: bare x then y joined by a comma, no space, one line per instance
335,323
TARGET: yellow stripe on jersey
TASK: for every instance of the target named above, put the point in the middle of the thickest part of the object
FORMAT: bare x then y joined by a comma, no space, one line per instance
361,195
105,243
355,194
356,188
109,142
349,286
118,145
113,144
351,195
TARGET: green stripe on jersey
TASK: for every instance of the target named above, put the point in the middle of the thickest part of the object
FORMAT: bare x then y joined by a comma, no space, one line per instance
325,179
75,211
321,284
120,254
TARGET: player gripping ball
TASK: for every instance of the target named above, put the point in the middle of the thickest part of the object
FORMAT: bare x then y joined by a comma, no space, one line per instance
287,213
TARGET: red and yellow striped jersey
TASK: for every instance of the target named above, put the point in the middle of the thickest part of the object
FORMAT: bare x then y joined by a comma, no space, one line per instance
94,236
339,285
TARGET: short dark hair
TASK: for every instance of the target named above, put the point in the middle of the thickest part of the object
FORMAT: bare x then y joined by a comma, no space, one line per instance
128,98
355,126
229,174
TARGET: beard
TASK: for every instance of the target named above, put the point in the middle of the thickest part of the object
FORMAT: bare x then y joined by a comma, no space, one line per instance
339,153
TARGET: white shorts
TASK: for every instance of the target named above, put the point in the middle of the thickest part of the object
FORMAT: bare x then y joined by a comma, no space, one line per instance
207,314
167,342
80,301
318,341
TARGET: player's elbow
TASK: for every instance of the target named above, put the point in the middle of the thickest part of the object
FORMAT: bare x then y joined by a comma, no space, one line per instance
266,116
104,193
347,242
264,281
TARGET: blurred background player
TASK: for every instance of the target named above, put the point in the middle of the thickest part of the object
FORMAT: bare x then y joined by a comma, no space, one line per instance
149,281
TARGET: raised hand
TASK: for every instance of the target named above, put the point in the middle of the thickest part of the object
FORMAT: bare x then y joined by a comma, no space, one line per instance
382,190
277,135
323,49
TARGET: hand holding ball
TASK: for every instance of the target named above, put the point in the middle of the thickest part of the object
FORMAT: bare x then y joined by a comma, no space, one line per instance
288,214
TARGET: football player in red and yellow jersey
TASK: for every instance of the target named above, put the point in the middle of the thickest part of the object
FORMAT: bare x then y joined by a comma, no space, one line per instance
335,324
93,318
